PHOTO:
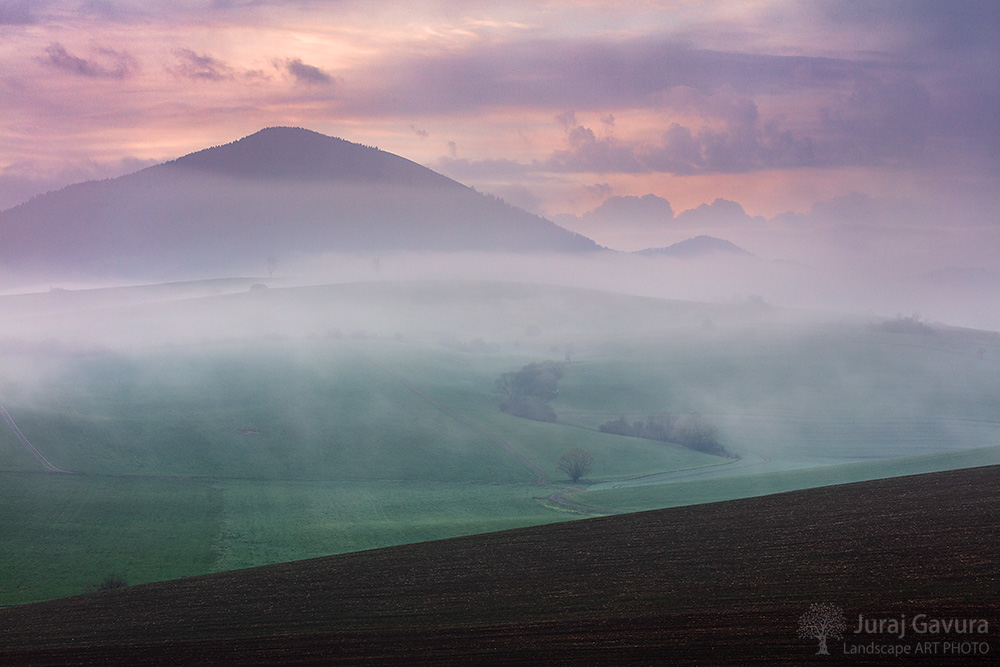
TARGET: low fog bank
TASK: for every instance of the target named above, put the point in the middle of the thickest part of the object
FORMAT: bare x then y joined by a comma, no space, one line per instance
185,311
952,295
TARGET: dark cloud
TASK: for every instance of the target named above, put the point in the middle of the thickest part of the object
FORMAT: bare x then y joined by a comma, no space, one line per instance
106,63
929,28
423,134
203,67
567,119
588,153
19,12
882,121
646,210
589,74
873,109
743,146
953,51
602,190
309,74
720,213
654,212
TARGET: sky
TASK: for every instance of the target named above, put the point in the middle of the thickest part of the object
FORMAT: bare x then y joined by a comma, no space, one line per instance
792,110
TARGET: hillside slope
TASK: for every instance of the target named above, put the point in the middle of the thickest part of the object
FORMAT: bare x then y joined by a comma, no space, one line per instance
282,193
724,583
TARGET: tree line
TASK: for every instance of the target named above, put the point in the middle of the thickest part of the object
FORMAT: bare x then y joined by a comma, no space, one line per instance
691,431
526,393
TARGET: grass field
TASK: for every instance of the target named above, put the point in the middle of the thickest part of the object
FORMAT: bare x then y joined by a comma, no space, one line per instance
257,428
713,584
62,534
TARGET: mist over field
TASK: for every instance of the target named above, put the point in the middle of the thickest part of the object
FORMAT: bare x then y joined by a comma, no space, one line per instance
313,346
321,280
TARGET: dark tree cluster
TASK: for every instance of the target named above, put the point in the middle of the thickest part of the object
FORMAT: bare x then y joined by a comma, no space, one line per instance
527,392
691,431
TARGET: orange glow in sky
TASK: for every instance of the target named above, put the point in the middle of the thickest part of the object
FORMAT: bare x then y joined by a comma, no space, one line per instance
555,106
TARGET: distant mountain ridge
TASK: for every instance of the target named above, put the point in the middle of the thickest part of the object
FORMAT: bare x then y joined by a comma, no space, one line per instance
281,192
698,246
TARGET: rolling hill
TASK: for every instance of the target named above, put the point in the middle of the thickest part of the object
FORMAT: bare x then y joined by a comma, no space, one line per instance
282,193
722,584
211,426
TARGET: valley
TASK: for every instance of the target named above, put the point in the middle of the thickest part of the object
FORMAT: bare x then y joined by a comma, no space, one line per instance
216,432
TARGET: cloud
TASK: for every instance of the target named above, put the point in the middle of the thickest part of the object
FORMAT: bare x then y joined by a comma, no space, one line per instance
107,63
882,120
645,210
191,65
598,74
741,147
726,112
602,190
720,213
18,12
655,212
308,74
588,153
859,208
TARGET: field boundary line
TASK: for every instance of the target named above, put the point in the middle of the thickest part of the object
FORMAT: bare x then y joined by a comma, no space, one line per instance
48,465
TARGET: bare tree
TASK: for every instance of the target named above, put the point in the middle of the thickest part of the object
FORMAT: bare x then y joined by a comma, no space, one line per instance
823,620
575,462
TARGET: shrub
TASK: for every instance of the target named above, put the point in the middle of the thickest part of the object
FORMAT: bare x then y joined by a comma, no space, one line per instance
111,582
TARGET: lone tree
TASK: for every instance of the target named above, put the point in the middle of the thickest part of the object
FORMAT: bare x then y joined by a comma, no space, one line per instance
821,621
575,462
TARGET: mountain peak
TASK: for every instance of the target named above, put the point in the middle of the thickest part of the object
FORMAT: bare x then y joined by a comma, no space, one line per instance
294,153
281,192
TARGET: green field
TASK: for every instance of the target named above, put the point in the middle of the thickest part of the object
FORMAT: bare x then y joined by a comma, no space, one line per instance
207,434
